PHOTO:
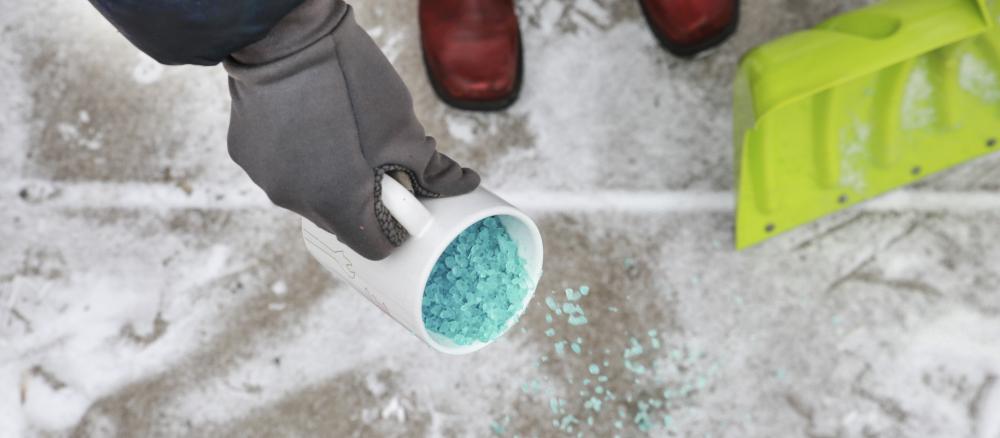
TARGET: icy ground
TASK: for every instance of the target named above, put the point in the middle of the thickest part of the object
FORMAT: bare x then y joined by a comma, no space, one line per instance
147,288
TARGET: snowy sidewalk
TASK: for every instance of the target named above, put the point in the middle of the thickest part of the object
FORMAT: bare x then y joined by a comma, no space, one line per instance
147,288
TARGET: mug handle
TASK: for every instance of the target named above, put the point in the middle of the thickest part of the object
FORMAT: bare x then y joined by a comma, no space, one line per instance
405,207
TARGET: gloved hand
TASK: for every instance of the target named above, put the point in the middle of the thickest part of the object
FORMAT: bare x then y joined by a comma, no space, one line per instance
319,114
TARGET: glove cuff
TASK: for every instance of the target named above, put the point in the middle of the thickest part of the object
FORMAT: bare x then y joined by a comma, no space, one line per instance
302,27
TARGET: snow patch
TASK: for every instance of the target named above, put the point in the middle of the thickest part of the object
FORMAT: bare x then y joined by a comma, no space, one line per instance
978,78
147,70
918,111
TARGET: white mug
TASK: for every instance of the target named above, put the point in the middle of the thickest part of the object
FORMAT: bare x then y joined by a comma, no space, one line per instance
396,283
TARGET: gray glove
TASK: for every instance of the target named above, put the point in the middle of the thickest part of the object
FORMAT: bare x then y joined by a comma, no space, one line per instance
319,114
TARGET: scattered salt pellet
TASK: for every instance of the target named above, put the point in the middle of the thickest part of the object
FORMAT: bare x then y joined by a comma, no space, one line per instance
642,417
593,404
551,302
573,295
497,428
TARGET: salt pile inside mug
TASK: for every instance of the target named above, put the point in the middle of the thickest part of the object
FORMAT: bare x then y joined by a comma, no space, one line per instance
477,286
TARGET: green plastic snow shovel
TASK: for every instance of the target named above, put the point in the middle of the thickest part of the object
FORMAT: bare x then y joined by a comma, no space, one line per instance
865,103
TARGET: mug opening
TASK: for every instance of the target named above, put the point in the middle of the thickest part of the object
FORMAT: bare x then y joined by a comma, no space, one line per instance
526,236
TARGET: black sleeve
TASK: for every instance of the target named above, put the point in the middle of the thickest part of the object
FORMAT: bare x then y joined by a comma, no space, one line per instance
201,32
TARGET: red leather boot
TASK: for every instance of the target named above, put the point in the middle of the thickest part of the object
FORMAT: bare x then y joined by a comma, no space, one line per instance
472,49
686,27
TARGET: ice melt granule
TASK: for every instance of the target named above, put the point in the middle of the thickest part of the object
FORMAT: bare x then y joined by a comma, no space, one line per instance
477,286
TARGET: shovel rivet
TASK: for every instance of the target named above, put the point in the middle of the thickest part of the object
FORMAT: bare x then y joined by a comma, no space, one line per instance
991,142
769,228
916,170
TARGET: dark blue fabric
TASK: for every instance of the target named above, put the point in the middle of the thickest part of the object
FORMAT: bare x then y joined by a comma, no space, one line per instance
201,32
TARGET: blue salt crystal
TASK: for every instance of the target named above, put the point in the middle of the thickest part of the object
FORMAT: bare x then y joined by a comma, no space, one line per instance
560,347
636,368
475,289
573,295
642,417
594,369
571,309
551,302
567,423
634,350
594,404
497,428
